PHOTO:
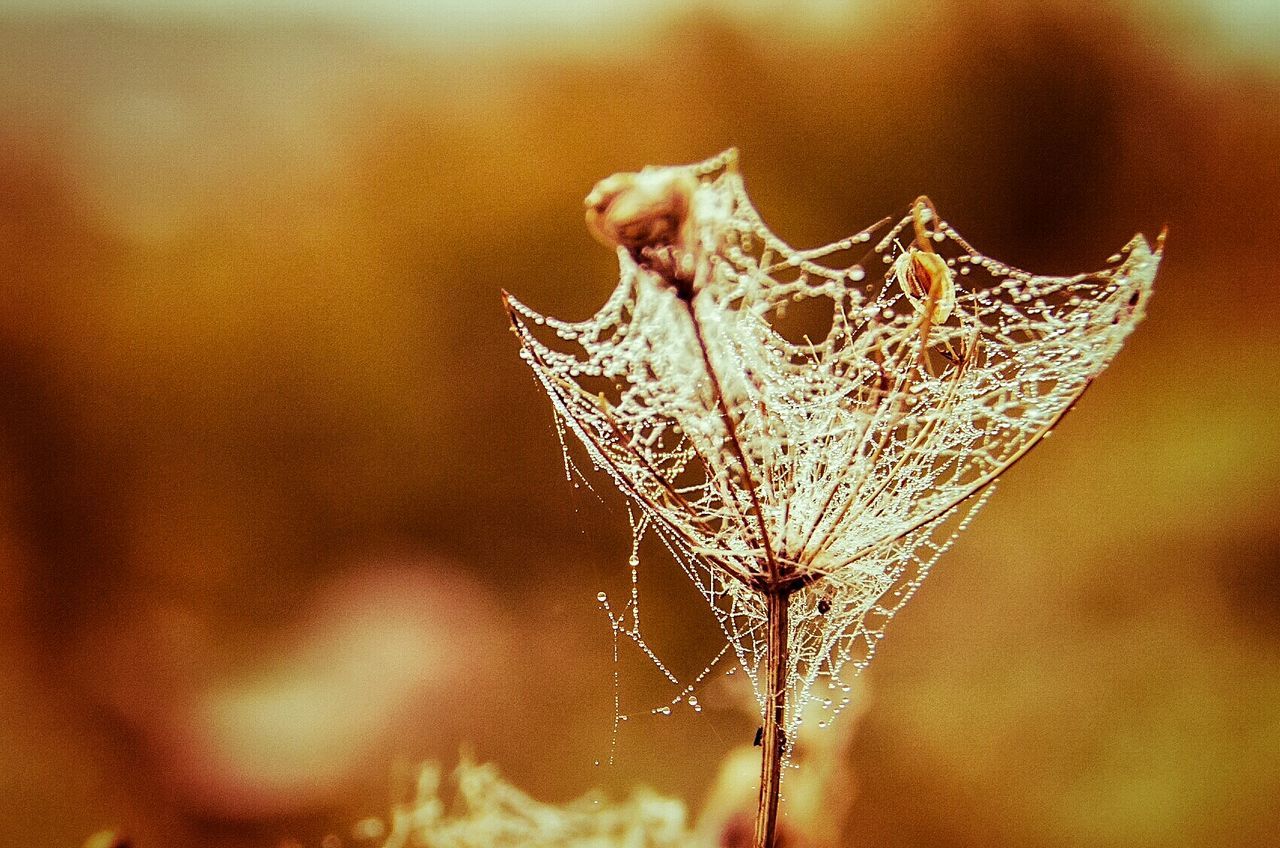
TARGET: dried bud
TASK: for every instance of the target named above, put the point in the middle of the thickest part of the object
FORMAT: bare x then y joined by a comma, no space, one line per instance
641,210
927,282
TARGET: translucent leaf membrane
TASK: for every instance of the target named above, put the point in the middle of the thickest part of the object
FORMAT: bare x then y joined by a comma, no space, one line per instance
852,459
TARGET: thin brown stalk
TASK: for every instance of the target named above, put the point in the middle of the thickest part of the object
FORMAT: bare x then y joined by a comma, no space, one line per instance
773,738
731,429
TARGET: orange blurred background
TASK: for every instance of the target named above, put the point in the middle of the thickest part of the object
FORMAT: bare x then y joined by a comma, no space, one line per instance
282,513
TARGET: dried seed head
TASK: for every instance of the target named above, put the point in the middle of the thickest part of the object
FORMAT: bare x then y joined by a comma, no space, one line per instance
665,218
846,465
641,210
927,282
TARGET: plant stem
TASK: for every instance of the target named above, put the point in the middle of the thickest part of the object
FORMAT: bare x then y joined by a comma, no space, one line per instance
773,739
731,431
777,592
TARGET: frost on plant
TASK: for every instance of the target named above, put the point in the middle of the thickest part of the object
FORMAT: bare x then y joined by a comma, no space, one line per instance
833,471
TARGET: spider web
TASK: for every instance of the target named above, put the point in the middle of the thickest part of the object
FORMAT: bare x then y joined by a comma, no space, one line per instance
853,461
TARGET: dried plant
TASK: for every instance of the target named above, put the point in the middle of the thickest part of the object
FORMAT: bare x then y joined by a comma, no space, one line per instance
489,812
807,487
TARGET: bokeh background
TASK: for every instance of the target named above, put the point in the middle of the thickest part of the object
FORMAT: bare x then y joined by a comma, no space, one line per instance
282,514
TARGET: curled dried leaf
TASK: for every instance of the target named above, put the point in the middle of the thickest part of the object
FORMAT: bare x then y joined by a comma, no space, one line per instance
927,282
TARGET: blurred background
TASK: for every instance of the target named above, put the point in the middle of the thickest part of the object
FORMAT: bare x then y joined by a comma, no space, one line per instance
282,513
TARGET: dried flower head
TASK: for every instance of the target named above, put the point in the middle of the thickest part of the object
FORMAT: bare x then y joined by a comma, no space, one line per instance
813,483
638,210
663,217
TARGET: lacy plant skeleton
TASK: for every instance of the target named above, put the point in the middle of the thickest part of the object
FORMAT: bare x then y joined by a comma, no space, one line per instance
808,487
